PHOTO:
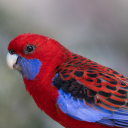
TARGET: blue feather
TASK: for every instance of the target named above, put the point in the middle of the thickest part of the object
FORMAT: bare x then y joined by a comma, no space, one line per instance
67,96
30,67
77,109
121,123
107,122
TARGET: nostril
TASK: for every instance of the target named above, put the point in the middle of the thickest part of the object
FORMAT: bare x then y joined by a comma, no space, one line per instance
11,52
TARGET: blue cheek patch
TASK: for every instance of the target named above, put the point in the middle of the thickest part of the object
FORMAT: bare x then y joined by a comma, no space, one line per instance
30,67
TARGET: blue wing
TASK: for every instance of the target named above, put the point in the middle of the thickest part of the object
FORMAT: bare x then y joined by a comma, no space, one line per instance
78,110
83,108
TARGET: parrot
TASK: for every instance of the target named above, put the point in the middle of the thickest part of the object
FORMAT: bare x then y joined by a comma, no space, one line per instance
73,90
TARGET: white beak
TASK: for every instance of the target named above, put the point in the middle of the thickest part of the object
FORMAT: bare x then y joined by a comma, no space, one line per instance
11,59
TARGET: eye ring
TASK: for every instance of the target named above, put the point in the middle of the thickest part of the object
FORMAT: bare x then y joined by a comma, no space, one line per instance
29,49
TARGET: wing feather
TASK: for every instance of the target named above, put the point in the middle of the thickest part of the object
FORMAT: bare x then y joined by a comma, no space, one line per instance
91,92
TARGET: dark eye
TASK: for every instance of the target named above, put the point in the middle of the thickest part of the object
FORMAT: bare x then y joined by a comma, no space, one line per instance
29,48
11,52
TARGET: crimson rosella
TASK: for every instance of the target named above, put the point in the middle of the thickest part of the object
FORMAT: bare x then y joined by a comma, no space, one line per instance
73,90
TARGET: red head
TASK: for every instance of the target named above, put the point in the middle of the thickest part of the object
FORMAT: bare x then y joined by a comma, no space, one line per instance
28,51
42,45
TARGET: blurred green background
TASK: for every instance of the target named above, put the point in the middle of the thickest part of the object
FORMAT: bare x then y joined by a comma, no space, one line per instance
96,29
